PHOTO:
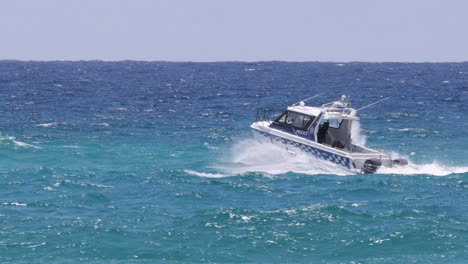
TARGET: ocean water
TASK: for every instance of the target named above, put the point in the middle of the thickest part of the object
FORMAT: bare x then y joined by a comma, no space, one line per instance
148,162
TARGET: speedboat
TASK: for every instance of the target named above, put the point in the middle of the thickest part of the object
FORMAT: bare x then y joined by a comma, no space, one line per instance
325,132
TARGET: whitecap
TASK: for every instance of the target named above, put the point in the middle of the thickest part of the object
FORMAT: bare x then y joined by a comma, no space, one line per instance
21,144
119,108
37,245
95,185
16,204
205,174
408,129
246,218
47,125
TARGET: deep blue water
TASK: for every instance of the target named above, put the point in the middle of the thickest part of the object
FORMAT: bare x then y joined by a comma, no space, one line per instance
129,162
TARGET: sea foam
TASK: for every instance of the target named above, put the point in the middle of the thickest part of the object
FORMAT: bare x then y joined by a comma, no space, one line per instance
18,144
259,155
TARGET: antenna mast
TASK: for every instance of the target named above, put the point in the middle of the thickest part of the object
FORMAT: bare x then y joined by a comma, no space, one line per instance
373,104
307,99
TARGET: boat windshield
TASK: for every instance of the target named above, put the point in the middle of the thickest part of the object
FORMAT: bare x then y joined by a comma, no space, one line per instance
294,119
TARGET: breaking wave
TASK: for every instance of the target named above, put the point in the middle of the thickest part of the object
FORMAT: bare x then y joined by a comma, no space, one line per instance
47,125
16,143
205,174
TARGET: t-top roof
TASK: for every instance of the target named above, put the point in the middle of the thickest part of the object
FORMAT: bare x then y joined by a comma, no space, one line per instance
307,110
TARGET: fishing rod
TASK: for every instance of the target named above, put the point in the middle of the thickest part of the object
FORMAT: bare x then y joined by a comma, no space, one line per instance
307,99
373,104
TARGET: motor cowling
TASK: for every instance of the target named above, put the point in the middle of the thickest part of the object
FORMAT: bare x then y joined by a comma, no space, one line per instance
371,166
399,162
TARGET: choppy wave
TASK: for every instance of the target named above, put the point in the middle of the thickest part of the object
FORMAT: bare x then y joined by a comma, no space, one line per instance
205,174
17,143
156,157
47,125
408,129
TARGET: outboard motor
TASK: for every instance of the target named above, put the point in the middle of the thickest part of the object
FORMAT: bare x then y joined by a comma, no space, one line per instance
371,166
399,162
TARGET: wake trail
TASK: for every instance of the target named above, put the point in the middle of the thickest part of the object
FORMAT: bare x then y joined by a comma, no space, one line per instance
434,168
253,155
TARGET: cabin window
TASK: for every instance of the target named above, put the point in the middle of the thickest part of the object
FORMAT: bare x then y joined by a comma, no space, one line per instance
335,123
295,120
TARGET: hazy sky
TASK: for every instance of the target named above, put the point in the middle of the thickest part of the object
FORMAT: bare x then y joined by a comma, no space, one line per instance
242,30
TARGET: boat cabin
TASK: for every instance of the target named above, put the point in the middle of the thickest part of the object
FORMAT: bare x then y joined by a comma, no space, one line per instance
329,125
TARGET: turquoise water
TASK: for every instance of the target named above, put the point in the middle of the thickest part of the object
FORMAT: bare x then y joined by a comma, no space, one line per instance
129,162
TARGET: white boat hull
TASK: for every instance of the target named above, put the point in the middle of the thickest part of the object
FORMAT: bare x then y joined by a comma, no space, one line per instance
352,161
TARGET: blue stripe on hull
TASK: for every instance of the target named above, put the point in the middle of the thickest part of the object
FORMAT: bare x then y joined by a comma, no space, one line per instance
322,154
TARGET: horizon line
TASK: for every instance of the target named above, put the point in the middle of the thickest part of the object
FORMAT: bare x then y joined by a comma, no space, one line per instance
229,61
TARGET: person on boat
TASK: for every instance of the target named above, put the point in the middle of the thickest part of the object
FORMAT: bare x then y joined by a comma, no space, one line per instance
322,132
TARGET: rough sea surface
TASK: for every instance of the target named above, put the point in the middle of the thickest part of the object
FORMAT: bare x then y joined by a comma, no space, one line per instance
147,162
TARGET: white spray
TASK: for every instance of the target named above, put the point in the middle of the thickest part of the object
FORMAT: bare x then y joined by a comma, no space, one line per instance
357,137
255,155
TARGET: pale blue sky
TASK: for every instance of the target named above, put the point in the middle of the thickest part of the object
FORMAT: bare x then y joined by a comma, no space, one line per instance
241,30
